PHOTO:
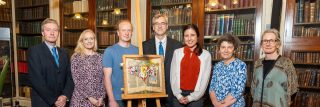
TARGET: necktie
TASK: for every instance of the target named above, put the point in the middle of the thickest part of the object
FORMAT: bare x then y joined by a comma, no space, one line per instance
161,52
55,55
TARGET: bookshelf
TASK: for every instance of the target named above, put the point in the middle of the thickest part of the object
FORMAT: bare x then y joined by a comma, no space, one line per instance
108,13
29,15
101,16
180,13
302,36
5,15
241,18
74,19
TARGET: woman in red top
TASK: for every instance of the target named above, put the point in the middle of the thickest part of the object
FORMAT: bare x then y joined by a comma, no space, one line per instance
190,70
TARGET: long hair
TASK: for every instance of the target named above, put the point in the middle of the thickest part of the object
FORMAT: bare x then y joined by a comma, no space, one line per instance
80,48
198,49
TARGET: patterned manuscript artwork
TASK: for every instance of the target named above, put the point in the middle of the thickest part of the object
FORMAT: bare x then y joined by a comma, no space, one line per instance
143,74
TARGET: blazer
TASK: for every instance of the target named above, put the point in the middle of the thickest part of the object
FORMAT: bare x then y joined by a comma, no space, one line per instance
48,81
149,48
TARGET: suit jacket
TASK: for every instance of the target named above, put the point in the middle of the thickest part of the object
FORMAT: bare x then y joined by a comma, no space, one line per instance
48,81
149,48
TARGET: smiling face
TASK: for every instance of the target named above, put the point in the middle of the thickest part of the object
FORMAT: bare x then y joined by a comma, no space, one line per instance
269,43
160,26
88,40
226,50
50,32
125,31
190,38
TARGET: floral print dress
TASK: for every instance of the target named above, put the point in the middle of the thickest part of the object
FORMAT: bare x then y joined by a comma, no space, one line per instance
229,79
87,74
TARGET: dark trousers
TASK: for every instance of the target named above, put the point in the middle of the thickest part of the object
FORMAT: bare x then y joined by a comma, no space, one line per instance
198,103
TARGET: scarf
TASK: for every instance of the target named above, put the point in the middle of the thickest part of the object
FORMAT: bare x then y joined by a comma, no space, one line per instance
189,70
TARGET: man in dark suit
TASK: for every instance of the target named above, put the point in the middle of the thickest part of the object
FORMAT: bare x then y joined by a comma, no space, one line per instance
49,70
160,44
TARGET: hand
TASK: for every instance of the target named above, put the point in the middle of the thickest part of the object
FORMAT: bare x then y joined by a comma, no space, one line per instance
93,101
61,101
113,103
100,102
183,100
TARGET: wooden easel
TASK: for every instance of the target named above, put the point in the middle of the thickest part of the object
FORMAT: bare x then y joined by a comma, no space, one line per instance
142,101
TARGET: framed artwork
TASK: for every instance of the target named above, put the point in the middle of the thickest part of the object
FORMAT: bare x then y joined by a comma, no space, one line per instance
143,76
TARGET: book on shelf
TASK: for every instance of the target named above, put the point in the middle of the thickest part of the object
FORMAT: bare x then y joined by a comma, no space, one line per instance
28,41
79,6
107,38
236,24
5,14
307,11
70,38
163,2
308,77
74,23
25,3
244,51
32,13
29,27
306,57
231,4
109,18
306,99
22,55
306,31
177,15
110,4
22,67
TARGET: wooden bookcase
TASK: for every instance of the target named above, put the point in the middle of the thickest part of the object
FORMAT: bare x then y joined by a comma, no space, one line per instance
302,36
108,13
6,22
29,15
241,18
74,19
180,13
98,15
5,14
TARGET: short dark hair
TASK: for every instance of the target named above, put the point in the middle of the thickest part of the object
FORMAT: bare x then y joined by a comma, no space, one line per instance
234,40
198,49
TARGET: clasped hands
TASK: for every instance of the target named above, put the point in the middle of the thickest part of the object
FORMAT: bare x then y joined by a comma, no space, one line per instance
184,100
96,102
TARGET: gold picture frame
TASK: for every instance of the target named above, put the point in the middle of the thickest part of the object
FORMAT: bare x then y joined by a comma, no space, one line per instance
143,77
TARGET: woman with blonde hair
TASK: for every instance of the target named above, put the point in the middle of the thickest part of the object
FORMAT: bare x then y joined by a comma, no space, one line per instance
87,72
274,78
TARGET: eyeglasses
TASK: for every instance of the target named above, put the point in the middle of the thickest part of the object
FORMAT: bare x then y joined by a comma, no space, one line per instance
160,24
271,41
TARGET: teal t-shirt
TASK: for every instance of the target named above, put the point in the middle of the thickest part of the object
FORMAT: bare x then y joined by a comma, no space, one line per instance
112,58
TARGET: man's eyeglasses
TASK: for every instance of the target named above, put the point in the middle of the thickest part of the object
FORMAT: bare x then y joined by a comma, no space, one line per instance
271,41
160,24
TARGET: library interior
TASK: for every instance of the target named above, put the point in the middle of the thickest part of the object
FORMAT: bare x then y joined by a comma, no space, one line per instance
298,23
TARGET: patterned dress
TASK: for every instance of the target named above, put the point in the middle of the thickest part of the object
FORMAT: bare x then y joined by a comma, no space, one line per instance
87,74
229,79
